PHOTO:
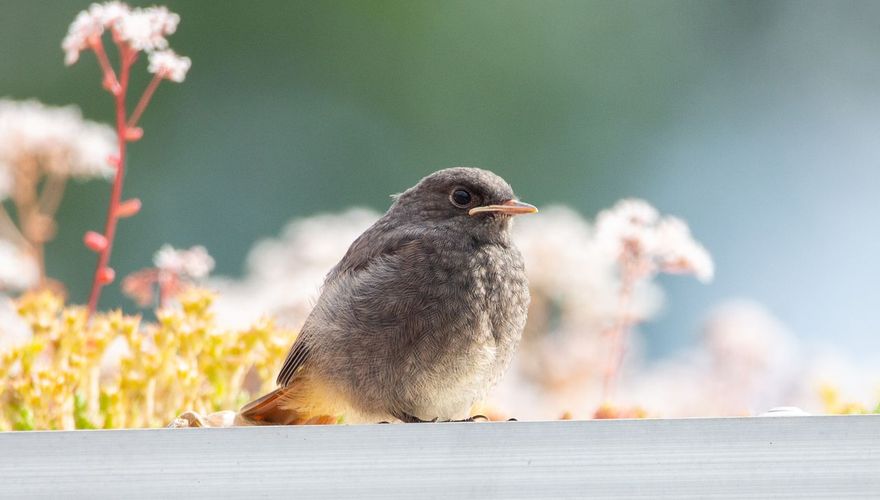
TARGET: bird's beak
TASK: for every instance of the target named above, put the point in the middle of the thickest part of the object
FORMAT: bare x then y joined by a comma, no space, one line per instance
510,207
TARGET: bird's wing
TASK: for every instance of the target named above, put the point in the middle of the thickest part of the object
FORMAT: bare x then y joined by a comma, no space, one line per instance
298,353
384,238
373,245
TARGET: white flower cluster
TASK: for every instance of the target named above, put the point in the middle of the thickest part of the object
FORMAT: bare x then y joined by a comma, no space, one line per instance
635,229
194,263
89,25
57,141
146,29
169,65
559,241
142,29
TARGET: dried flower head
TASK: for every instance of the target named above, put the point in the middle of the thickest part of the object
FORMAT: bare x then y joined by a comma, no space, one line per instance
628,222
647,243
36,139
146,29
90,25
193,263
41,147
167,64
175,271
82,31
678,252
142,29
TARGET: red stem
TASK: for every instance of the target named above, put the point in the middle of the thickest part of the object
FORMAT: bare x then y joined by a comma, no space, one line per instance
620,330
127,57
106,68
144,100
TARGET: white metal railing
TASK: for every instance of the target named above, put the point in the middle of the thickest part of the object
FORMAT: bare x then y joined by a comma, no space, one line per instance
797,457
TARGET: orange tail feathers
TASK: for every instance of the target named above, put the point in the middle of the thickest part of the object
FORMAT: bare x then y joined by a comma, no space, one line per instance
293,405
268,410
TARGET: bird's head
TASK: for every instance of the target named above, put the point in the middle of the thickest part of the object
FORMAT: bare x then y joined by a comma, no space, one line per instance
470,199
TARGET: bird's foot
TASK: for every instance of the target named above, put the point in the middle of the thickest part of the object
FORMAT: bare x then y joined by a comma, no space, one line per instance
475,418
411,419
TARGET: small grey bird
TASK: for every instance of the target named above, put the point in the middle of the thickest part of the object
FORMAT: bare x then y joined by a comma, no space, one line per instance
419,319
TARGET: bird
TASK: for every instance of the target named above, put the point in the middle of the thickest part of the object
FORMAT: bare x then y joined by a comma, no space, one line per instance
419,319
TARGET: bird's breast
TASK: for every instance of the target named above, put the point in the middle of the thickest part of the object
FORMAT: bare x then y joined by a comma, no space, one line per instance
503,295
467,354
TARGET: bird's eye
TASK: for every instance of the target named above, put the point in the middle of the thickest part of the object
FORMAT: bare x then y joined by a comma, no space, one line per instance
460,197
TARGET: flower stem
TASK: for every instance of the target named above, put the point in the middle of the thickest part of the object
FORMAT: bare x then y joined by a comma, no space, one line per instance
620,330
150,403
144,100
51,195
109,75
127,57
8,229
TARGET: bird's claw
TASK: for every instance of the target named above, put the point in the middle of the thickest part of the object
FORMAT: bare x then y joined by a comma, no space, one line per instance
475,418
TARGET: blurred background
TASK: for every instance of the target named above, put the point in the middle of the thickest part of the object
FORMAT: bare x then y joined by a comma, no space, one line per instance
757,122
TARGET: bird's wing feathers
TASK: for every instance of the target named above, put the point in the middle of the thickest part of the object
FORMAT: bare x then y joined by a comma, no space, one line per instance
382,239
298,353
363,252
268,410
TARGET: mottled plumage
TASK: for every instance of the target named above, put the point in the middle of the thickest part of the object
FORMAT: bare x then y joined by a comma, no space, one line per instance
420,318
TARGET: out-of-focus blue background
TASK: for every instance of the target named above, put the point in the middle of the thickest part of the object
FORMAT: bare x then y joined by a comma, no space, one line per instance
758,122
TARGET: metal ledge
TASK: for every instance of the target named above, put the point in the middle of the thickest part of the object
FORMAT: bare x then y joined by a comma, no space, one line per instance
796,457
